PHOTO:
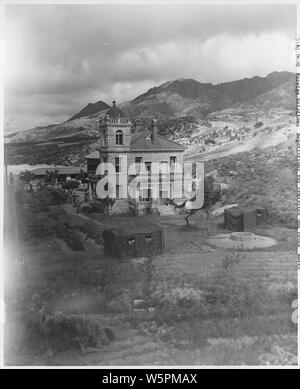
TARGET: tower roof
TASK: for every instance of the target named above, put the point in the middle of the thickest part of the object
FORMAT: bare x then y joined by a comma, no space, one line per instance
115,112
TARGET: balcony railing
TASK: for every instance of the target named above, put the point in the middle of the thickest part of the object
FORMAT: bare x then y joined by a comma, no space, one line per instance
114,120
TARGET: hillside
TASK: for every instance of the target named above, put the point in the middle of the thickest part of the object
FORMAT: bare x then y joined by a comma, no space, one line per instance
186,97
84,127
90,109
264,177
177,99
282,96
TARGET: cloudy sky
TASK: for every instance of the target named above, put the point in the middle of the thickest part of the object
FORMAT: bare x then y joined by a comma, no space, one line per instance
61,57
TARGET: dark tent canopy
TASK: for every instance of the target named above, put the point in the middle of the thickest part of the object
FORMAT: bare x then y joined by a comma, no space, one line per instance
135,239
240,219
261,216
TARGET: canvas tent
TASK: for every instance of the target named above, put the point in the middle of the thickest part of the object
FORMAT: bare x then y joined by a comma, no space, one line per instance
135,239
239,219
261,216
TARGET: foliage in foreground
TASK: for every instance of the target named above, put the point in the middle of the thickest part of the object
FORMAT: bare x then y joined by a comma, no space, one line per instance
70,237
41,198
61,331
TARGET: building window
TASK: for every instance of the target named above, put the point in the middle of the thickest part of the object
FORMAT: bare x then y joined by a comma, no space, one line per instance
118,164
138,164
148,166
145,195
172,163
131,241
119,191
164,168
119,137
148,239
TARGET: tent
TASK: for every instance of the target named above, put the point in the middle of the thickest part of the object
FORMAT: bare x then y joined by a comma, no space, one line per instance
261,216
239,219
135,239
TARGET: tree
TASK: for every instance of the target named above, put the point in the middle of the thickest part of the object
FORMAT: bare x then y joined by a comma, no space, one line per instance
26,176
109,202
52,176
148,207
212,199
82,176
70,185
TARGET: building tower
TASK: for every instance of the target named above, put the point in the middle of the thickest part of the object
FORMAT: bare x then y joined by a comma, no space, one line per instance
115,131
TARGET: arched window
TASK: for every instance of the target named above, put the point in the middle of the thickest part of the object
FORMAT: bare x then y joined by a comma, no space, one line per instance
119,137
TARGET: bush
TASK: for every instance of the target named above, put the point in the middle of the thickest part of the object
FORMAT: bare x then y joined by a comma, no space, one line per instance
258,124
94,207
180,303
232,259
41,198
59,196
70,237
93,231
70,185
223,296
62,332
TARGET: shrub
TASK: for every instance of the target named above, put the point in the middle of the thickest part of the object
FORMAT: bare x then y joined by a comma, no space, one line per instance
179,303
41,198
93,231
258,124
70,185
62,332
224,296
22,197
59,196
232,259
70,237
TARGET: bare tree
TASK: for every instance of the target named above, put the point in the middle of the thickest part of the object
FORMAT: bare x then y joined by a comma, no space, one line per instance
212,199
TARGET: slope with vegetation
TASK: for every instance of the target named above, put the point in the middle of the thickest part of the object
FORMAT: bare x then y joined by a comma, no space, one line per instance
262,177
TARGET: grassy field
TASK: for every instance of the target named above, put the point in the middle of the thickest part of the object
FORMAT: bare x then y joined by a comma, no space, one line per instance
204,312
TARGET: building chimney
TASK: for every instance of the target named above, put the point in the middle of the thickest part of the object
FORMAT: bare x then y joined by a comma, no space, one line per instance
154,130
138,125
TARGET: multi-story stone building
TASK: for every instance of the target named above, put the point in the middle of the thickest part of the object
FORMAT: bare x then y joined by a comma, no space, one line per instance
129,146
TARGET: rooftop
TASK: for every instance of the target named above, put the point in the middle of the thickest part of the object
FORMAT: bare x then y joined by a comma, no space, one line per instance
142,141
115,112
93,155
132,226
65,170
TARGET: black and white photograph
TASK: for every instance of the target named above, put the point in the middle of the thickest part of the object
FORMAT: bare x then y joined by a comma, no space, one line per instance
149,184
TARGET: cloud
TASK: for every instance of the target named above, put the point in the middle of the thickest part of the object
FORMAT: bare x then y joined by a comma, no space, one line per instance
60,57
